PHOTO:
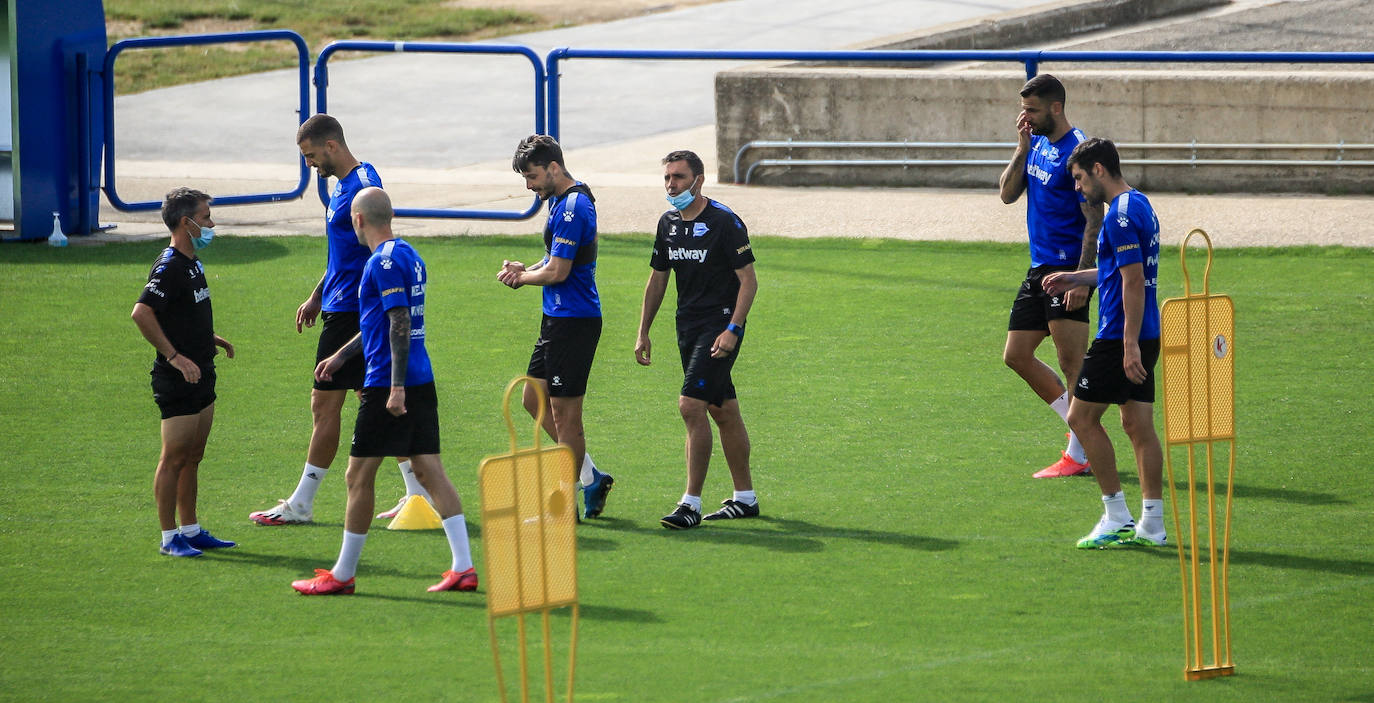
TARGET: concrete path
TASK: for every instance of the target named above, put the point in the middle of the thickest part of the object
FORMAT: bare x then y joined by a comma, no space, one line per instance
440,134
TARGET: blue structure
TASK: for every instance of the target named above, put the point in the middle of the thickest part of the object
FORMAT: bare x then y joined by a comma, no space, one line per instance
54,52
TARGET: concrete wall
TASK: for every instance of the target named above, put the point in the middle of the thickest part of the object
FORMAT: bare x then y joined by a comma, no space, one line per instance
848,104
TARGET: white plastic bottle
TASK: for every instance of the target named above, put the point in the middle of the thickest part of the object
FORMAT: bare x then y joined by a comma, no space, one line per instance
57,239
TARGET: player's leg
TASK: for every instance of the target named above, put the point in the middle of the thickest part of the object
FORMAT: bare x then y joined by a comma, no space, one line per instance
188,485
461,574
1019,356
1102,382
734,443
1138,420
178,438
1070,336
530,399
569,353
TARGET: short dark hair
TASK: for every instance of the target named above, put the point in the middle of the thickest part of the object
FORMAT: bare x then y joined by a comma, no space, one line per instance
537,150
693,161
1045,87
1096,150
319,129
181,202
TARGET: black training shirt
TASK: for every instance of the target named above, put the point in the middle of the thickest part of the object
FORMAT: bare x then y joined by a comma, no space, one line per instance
703,255
178,293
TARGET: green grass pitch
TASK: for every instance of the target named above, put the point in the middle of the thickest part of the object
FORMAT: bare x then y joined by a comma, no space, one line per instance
905,553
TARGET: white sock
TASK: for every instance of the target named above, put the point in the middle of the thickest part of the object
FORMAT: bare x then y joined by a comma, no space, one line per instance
587,467
304,496
167,536
1075,450
413,487
1152,515
347,565
746,497
456,528
1117,511
1061,406
694,501
189,531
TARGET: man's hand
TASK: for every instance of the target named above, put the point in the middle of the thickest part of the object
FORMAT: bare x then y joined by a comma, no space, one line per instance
307,312
1057,283
396,402
510,273
724,345
1075,298
1023,132
324,371
189,370
642,351
1130,362
224,344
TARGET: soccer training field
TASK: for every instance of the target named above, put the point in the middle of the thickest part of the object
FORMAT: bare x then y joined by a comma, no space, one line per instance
905,554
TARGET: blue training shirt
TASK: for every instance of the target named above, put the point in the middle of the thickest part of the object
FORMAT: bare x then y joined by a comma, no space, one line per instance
1054,216
571,234
346,255
1129,235
393,277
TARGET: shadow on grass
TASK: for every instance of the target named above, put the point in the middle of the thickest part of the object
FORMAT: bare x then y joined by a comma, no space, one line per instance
1347,567
802,536
1243,491
305,565
461,600
227,251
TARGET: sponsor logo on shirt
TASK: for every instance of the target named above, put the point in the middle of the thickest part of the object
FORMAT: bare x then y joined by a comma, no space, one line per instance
417,310
742,249
1039,174
152,288
202,294
685,254
390,291
418,289
564,240
1127,247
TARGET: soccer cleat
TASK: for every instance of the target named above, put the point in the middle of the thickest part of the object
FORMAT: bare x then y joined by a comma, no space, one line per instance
456,581
594,496
1145,539
733,509
324,584
1108,533
178,547
205,540
1066,466
684,517
388,514
282,514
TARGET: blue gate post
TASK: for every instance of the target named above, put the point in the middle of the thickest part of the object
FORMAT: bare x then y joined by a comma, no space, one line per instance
49,146
322,96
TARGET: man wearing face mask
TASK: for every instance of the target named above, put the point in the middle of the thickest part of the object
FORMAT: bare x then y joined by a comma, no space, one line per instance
335,301
707,246
174,315
571,325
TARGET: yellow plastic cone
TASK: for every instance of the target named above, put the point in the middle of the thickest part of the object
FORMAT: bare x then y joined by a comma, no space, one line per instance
416,514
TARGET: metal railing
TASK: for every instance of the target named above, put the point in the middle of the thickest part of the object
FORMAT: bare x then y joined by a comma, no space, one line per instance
1192,147
303,110
321,94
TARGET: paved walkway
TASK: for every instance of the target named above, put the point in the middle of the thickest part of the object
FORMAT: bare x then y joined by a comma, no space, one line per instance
433,146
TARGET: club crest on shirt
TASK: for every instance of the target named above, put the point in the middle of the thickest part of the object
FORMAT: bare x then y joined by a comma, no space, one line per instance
700,229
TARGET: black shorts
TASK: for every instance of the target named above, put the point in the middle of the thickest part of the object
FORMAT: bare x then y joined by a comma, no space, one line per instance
379,433
1033,308
703,377
175,397
564,352
1102,379
338,329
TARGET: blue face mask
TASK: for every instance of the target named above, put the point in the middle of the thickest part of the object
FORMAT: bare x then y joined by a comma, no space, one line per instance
206,235
682,200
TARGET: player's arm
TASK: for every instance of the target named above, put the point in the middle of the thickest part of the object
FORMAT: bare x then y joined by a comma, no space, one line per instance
399,339
224,344
146,319
310,309
1013,181
324,371
1133,309
1077,297
653,299
1059,282
555,271
748,287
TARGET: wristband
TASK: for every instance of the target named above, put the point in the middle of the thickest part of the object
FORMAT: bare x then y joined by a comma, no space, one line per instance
174,355
732,327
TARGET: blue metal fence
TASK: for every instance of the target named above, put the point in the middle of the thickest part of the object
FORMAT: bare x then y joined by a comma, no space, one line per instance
303,109
322,92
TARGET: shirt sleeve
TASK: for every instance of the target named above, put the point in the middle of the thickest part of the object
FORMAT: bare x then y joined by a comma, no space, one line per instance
389,276
737,238
573,227
161,287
